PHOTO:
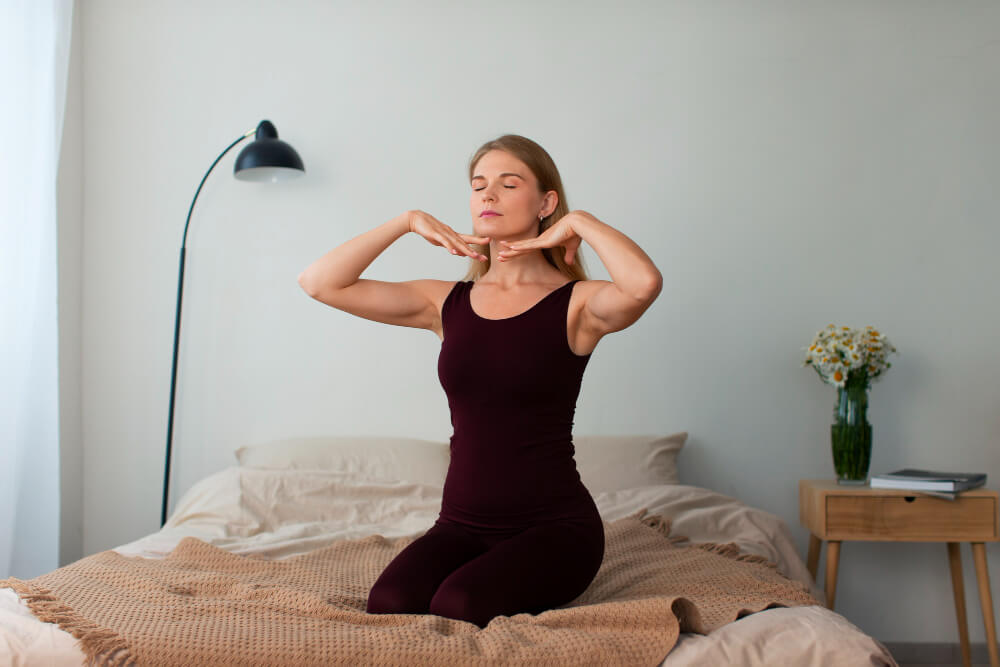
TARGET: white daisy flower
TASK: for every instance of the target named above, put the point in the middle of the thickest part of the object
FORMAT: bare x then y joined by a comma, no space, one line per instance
840,354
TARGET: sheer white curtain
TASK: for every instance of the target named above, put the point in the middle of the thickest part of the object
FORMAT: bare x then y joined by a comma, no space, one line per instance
34,59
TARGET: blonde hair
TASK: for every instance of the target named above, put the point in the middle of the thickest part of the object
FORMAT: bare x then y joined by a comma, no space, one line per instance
547,175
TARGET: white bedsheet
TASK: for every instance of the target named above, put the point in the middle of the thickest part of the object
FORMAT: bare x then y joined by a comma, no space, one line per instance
283,513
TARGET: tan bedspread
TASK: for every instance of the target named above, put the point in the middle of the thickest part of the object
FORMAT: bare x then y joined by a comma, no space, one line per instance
203,605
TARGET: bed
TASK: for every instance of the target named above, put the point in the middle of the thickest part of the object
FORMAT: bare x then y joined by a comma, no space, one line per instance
286,499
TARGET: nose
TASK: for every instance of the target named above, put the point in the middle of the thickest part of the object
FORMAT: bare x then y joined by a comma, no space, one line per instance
488,194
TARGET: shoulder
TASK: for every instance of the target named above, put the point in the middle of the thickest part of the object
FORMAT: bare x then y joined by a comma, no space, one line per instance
436,290
583,332
604,308
582,292
584,289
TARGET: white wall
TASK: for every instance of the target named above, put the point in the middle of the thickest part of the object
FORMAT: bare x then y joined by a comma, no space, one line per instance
785,164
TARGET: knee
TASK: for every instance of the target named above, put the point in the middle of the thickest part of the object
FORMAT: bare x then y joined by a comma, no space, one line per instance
458,602
385,598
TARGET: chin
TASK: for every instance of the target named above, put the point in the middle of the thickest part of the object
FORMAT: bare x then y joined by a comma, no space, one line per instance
484,227
487,227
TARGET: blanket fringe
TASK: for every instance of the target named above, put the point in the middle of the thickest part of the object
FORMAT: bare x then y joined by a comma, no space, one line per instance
659,523
730,550
100,645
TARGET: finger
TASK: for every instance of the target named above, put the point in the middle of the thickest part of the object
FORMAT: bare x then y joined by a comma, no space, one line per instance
517,245
572,252
454,245
573,246
467,249
461,242
474,254
522,246
447,244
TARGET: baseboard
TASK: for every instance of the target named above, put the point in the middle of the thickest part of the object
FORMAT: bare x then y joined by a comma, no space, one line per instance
936,653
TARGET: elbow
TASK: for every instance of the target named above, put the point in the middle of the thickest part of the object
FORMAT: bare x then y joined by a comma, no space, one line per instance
652,289
304,284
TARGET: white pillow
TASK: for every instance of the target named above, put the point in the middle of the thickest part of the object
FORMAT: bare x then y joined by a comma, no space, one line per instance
614,462
605,463
366,457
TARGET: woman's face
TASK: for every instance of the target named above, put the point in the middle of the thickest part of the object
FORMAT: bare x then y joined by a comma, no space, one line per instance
504,184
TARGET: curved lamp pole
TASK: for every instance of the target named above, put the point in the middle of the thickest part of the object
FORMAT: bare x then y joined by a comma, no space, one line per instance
266,159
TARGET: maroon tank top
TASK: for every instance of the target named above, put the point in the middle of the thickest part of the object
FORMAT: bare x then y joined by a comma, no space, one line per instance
512,386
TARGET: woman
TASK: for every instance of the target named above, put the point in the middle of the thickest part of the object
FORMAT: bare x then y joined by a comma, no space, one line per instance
518,531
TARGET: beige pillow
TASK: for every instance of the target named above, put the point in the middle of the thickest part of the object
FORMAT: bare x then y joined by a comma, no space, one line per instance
613,462
366,457
605,463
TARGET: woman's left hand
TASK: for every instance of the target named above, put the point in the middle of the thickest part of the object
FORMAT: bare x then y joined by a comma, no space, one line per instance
561,233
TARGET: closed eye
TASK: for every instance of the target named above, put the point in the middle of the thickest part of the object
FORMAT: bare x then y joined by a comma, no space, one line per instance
506,186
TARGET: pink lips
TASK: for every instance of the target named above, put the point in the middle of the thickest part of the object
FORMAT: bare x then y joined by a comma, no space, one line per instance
488,214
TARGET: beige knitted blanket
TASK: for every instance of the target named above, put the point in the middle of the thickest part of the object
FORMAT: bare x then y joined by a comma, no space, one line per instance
202,605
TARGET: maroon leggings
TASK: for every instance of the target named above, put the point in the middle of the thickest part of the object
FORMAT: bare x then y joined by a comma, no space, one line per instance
472,574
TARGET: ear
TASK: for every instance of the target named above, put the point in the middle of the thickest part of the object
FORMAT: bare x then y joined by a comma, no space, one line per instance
549,202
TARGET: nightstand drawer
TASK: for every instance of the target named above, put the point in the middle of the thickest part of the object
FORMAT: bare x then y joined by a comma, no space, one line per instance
917,517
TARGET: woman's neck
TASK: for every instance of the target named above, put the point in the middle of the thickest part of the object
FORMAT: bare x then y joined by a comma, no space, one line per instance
528,269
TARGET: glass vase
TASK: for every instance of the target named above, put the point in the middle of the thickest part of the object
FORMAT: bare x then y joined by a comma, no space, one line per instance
851,435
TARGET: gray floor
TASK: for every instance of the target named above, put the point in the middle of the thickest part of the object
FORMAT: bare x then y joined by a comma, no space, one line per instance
936,654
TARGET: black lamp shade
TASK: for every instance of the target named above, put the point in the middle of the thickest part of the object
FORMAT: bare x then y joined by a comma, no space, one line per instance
267,158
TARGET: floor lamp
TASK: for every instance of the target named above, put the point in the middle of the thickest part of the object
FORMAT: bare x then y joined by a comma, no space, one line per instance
267,159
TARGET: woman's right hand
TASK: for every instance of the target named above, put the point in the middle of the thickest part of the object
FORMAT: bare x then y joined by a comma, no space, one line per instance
440,234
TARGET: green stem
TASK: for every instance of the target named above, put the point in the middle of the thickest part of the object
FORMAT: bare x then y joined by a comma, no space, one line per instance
850,433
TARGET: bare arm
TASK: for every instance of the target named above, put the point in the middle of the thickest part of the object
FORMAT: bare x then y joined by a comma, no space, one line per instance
342,266
636,282
335,278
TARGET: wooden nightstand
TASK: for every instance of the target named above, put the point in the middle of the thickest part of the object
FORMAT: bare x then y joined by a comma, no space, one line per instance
838,513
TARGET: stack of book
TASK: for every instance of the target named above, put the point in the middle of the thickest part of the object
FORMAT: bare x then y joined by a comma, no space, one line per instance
938,483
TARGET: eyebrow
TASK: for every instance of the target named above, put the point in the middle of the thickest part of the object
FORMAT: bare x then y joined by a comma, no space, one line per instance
506,173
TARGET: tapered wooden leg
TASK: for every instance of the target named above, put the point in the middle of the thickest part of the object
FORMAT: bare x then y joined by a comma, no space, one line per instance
986,601
958,588
832,560
812,561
